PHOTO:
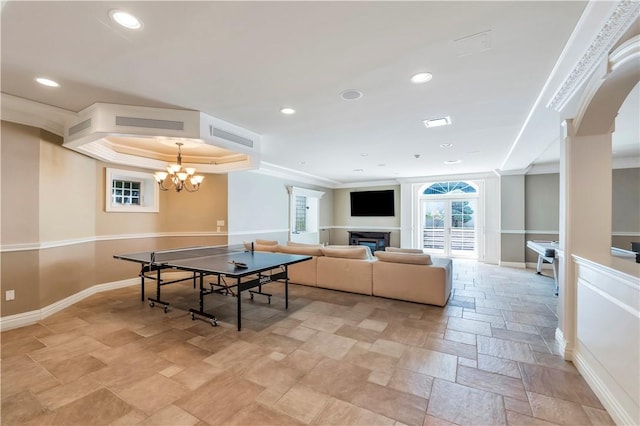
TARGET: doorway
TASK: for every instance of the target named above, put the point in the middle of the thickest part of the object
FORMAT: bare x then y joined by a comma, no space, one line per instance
449,213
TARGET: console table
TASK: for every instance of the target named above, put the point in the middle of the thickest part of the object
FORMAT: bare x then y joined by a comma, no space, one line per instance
374,240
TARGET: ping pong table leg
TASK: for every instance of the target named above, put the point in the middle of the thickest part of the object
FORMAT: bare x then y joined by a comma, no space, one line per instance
201,290
539,265
286,286
239,305
554,265
142,283
152,302
212,318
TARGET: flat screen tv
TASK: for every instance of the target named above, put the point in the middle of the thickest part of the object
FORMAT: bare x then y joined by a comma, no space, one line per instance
372,203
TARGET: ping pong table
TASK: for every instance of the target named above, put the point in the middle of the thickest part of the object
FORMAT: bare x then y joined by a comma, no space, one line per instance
233,266
547,252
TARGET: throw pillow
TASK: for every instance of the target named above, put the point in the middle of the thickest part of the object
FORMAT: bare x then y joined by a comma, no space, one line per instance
267,242
407,258
355,252
404,250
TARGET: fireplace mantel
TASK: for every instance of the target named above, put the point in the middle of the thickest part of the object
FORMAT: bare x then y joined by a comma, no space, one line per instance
373,239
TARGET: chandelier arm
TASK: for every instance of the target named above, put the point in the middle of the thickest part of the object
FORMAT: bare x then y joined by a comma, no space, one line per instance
193,188
161,185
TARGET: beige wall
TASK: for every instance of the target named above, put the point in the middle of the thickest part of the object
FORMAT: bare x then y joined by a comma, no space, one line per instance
542,194
626,207
66,191
20,178
542,209
344,222
542,202
512,213
59,198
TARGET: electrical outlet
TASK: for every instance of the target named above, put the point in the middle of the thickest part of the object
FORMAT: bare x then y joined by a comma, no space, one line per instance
10,295
220,223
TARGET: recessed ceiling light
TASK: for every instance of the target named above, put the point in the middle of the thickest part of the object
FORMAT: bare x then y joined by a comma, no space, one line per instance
47,82
436,122
446,145
351,95
358,170
449,162
125,19
421,77
382,165
287,110
364,154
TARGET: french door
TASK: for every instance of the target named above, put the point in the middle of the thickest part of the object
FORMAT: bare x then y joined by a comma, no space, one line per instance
449,227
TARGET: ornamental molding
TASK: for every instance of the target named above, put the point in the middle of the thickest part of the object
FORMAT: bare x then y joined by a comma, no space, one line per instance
625,13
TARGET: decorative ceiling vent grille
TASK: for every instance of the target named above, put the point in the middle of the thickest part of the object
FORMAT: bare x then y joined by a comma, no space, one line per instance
80,127
149,123
214,131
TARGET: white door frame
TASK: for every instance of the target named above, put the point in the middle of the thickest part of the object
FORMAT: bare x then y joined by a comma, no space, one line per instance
312,233
480,216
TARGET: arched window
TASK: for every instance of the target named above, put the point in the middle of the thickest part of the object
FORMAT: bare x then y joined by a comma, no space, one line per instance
441,188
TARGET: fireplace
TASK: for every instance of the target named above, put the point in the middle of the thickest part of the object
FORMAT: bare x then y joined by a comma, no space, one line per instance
373,240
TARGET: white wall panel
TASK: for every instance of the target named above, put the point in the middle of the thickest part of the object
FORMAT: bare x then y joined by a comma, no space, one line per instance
607,350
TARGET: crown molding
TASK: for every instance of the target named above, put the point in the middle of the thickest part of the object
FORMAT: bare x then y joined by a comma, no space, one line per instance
368,184
35,114
467,176
515,172
619,21
616,163
544,168
270,169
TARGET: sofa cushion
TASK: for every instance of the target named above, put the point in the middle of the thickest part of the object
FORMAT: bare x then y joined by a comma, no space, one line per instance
308,250
355,252
398,257
403,250
266,242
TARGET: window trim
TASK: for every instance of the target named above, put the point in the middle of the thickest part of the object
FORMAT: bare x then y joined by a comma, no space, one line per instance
149,192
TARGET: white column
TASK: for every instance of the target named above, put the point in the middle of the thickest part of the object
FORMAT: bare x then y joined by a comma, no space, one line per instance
585,217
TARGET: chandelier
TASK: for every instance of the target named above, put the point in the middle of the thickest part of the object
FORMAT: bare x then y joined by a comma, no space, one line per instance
178,177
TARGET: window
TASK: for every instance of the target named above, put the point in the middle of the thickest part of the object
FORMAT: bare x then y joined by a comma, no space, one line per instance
301,214
125,192
131,191
304,215
440,188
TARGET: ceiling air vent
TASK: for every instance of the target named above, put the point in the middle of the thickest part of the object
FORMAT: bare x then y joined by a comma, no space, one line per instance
223,134
473,44
80,127
149,123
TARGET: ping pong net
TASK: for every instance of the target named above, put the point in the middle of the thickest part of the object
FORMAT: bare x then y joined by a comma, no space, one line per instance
168,256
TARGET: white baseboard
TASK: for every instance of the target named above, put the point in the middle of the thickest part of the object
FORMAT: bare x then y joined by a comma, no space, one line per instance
31,317
545,266
519,265
565,350
620,406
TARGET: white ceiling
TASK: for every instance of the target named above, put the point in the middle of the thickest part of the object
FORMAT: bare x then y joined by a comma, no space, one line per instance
243,61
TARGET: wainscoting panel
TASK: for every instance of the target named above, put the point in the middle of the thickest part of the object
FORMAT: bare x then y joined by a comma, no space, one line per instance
608,337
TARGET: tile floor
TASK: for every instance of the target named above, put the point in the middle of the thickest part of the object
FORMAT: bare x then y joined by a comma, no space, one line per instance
333,358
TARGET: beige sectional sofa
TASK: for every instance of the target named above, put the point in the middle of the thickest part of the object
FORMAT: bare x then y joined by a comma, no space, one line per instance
413,277
403,274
